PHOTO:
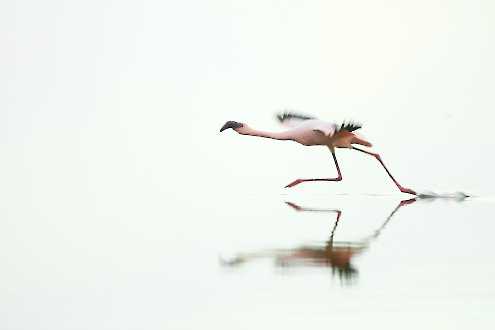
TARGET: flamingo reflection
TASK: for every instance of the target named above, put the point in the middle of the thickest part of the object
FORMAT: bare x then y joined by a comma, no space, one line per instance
333,254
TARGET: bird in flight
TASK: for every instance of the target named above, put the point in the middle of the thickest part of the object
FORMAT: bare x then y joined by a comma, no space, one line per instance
310,131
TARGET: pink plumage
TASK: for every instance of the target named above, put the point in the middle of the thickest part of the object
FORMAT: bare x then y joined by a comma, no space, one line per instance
310,131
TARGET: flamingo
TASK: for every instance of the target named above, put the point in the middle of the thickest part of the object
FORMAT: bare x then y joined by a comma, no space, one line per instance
309,131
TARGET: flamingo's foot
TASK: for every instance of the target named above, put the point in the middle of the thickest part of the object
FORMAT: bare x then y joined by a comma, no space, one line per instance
408,191
294,183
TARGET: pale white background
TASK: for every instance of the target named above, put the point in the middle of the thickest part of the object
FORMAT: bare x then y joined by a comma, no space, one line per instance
109,119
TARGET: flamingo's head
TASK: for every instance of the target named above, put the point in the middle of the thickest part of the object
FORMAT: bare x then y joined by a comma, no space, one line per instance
231,124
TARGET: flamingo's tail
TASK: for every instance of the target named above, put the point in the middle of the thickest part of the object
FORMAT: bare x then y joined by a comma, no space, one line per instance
359,140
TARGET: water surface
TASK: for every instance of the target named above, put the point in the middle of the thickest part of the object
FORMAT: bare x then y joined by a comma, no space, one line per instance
257,261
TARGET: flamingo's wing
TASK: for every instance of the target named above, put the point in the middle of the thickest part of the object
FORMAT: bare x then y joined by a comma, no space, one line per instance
326,128
330,129
291,119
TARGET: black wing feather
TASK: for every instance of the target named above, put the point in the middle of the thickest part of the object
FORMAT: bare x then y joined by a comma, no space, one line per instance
291,115
350,126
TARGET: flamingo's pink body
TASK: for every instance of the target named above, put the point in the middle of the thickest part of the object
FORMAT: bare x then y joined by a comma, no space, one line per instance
314,132
311,132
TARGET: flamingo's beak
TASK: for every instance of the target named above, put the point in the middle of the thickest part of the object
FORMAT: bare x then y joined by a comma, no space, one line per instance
230,124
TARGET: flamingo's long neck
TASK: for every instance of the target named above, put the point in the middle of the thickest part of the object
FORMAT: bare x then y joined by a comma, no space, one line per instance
270,135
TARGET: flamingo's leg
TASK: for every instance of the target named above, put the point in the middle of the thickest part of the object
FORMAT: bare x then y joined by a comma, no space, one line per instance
339,178
377,156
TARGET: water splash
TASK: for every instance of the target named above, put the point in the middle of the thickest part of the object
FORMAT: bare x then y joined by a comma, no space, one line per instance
457,196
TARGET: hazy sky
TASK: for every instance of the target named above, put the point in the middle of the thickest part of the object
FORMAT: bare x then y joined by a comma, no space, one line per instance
111,91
